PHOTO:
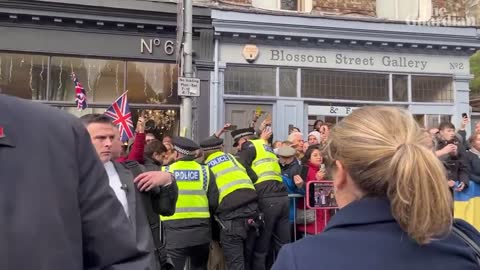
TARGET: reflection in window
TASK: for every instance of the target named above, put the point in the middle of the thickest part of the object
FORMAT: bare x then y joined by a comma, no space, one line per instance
152,82
254,81
159,122
78,113
103,80
289,5
23,75
288,82
432,89
400,87
344,85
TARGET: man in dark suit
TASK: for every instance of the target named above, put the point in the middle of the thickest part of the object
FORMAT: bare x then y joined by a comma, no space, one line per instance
57,211
103,135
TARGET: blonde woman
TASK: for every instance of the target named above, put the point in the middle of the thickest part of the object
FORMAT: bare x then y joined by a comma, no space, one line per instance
395,206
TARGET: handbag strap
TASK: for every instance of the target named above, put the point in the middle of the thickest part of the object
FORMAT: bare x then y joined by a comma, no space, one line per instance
469,241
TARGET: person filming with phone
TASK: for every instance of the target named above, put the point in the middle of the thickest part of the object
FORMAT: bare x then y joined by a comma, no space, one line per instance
395,206
452,154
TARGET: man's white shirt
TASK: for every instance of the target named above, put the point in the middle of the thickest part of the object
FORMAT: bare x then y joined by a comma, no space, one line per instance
116,185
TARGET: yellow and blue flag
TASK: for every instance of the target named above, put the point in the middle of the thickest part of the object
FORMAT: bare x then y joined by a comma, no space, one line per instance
467,204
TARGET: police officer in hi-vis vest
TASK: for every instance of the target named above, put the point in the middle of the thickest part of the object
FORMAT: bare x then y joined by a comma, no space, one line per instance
261,163
237,212
188,231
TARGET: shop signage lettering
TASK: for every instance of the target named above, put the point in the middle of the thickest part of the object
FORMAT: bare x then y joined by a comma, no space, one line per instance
349,59
330,110
344,59
148,45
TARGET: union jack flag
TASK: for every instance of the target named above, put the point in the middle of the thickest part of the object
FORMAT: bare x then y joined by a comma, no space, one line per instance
121,116
80,94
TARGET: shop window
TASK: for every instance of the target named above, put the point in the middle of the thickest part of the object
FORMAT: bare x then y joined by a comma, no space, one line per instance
290,5
251,81
288,82
431,120
103,80
344,85
23,75
152,82
160,122
432,89
400,87
404,10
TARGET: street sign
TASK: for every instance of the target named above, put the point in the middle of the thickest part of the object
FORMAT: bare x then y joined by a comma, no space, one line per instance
188,87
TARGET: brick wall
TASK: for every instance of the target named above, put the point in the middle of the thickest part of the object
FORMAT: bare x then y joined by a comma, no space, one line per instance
365,7
241,2
450,7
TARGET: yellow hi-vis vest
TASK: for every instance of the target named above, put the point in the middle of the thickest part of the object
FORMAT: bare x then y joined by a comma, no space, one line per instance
230,175
265,164
192,180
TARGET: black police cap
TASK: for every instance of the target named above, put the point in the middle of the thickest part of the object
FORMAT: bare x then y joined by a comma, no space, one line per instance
211,143
185,146
240,133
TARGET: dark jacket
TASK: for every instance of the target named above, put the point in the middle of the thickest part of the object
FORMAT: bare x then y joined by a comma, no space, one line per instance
192,232
454,164
292,169
266,189
138,214
151,164
288,172
365,236
473,165
60,212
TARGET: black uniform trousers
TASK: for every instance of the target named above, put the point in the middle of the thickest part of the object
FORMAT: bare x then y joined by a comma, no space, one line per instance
275,232
238,241
198,256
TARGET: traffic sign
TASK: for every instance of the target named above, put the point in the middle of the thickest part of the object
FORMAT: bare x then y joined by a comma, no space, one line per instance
188,87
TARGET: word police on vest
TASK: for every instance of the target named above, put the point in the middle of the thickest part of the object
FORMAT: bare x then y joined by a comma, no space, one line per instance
218,160
187,175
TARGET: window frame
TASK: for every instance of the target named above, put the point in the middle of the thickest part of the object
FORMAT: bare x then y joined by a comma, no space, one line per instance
302,6
298,96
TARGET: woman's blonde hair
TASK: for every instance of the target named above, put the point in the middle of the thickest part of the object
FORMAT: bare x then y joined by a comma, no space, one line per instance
382,149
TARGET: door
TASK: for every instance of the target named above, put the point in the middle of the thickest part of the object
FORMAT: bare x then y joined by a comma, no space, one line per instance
241,115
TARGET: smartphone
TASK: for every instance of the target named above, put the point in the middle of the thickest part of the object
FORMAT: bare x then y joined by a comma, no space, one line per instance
268,128
231,127
464,115
321,195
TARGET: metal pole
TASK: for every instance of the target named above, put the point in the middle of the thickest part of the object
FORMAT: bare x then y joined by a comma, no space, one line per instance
186,119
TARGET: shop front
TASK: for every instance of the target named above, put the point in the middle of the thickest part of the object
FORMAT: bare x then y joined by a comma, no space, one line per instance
307,69
109,50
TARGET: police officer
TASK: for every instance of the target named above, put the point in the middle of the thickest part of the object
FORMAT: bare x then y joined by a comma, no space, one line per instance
237,212
188,231
263,168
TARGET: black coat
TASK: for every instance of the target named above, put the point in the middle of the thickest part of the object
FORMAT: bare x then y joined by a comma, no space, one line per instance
455,165
365,236
473,165
57,210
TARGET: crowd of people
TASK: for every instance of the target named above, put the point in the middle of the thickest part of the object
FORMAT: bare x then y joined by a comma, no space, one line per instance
155,203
